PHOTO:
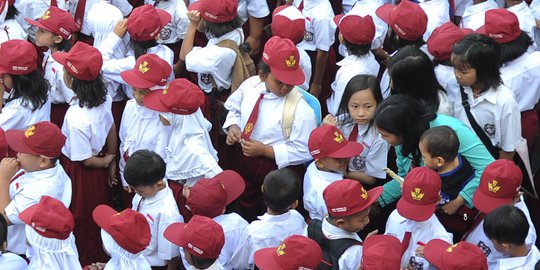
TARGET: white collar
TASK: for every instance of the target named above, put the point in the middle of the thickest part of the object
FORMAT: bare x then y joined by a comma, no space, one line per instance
332,232
490,95
351,59
47,173
328,176
275,218
159,195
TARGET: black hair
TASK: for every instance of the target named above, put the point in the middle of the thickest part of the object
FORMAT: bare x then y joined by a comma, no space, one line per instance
141,47
219,29
413,75
65,45
441,141
264,68
356,84
404,117
144,168
281,188
481,53
201,263
3,231
511,50
32,87
506,224
357,49
11,12
401,43
90,94
446,62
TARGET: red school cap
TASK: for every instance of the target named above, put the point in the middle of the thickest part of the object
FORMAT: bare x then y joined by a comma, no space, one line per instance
282,56
209,197
347,197
288,22
179,97
296,252
49,218
381,252
462,255
146,21
216,11
328,141
407,19
499,184
128,228
17,57
201,237
57,21
443,38
149,71
82,61
420,194
355,28
40,139
501,25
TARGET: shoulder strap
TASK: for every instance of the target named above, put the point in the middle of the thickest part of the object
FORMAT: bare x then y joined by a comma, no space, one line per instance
243,67
288,111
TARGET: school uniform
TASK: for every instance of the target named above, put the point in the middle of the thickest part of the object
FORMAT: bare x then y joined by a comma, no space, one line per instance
122,259
252,8
26,189
16,116
525,262
59,94
176,29
271,230
13,261
315,181
305,65
447,79
160,211
235,252
421,233
51,253
460,6
34,9
437,11
11,29
474,15
527,23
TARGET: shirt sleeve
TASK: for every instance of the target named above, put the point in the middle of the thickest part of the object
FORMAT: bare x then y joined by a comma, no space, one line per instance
510,124
112,67
79,139
211,60
324,30
11,116
19,203
257,8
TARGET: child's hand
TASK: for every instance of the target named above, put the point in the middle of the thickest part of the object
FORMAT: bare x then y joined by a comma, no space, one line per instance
233,135
372,233
113,180
121,28
8,168
420,251
452,206
108,158
330,120
194,17
96,266
253,148
128,189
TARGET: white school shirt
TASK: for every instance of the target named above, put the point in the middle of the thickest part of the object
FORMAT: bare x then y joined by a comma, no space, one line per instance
123,5
215,266
421,233
447,79
522,76
350,66
86,129
518,263
438,13
375,154
11,29
25,191
479,238
305,65
474,16
140,129
320,27
535,7
268,129
235,252
15,116
249,8
497,113
460,6
271,230
160,211
214,61
122,259
527,23
315,181
13,261
54,73
176,29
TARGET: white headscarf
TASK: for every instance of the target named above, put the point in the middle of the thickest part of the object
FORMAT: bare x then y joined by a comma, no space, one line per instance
51,253
122,259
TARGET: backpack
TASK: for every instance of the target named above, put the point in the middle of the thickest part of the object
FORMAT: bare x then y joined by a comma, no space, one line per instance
244,67
290,107
331,249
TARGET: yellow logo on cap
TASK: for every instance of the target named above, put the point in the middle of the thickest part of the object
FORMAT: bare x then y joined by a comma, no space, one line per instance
280,250
143,67
46,15
493,186
291,62
417,194
364,194
339,137
451,248
248,128
30,131
165,90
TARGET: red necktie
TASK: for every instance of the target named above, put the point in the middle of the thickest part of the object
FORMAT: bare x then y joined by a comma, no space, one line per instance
354,134
301,6
252,120
79,13
405,242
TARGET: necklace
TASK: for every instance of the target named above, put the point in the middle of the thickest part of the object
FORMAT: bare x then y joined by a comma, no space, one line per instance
477,95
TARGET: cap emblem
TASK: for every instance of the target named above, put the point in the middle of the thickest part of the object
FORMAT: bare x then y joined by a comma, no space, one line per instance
417,194
281,250
364,194
338,137
30,131
493,187
46,15
143,67
291,62
451,248
165,90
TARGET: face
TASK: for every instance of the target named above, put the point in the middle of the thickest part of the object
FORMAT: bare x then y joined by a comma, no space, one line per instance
390,138
338,165
8,81
356,222
275,86
434,163
29,163
465,76
148,191
45,38
138,95
362,106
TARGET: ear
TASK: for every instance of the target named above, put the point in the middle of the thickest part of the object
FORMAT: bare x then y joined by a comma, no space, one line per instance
44,162
262,188
340,222
319,164
294,204
506,246
440,161
340,38
58,39
160,184
262,76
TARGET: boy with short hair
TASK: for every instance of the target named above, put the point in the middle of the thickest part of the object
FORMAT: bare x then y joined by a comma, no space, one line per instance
295,252
280,191
331,151
35,172
459,256
144,172
507,228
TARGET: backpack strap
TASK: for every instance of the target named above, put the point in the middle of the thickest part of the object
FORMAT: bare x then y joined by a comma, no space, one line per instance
288,111
243,67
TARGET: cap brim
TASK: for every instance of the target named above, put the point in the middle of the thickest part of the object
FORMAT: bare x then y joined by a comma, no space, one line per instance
384,12
466,31
234,184
486,204
164,17
195,6
153,102
102,216
433,252
37,24
415,212
482,30
15,140
3,70
338,18
373,195
264,259
134,80
350,150
175,234
28,213
60,57
290,77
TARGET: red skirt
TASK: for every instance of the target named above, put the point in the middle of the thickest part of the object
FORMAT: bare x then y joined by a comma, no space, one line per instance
58,112
180,200
89,188
530,128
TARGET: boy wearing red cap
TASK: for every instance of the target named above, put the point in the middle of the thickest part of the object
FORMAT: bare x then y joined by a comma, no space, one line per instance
381,252
331,152
268,136
208,198
414,221
462,255
295,252
36,172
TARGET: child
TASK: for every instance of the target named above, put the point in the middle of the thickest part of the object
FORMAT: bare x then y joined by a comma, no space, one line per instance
202,240
439,147
49,235
348,205
28,101
208,198
145,172
355,118
524,14
414,222
54,32
462,255
89,153
8,259
280,191
492,111
11,29
381,252
173,33
474,14
507,228
117,232
294,252
360,60
36,172
331,152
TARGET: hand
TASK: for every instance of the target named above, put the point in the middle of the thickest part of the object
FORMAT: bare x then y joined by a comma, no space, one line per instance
330,120
255,45
233,135
108,158
96,266
452,206
194,17
128,189
253,148
113,180
8,168
375,232
178,68
315,89
121,28
420,251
